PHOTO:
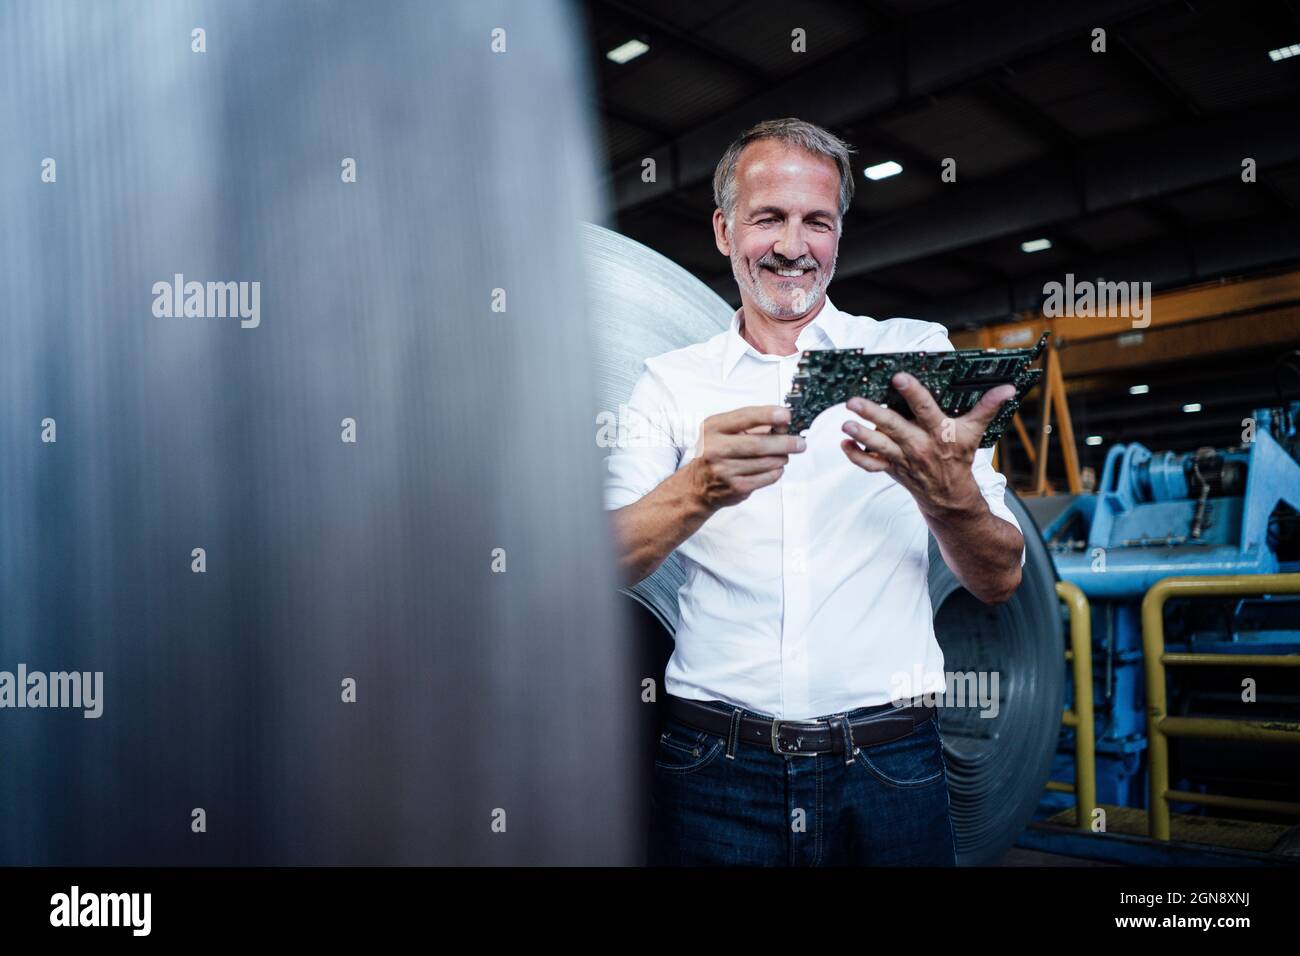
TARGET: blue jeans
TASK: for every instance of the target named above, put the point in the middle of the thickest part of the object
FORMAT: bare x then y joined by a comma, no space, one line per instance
749,806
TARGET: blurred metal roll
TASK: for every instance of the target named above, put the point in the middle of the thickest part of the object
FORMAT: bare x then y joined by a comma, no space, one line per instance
454,561
643,304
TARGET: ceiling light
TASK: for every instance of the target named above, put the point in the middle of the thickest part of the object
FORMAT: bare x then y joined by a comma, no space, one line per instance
1093,439
1284,52
628,51
1036,245
1139,389
883,170
1192,407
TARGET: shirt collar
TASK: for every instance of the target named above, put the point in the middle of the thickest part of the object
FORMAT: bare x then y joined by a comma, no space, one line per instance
826,330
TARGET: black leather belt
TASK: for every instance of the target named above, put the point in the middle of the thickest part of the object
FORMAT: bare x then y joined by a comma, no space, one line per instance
802,737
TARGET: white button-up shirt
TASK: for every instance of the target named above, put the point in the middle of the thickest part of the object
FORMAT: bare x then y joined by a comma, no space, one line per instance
811,596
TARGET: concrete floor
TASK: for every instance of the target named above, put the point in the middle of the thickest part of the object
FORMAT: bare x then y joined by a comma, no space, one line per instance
1019,857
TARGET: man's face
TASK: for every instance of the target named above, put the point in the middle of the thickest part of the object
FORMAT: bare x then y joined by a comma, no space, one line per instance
786,218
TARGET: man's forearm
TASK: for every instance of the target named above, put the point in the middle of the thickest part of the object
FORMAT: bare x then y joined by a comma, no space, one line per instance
649,530
982,550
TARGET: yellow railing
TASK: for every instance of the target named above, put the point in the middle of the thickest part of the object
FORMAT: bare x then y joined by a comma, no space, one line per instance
1080,718
1160,726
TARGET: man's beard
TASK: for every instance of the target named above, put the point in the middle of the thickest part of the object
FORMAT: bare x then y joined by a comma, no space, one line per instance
798,301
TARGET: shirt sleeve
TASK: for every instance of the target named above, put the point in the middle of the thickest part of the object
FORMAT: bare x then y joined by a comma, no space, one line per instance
647,449
993,486
992,483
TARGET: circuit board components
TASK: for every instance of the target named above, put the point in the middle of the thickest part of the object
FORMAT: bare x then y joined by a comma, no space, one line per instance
957,380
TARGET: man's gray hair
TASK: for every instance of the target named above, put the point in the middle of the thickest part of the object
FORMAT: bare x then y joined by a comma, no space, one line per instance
796,132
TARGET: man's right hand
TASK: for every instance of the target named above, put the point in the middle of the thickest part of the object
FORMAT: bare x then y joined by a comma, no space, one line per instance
737,454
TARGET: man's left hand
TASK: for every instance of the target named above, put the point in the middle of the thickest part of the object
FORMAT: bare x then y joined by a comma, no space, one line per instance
931,457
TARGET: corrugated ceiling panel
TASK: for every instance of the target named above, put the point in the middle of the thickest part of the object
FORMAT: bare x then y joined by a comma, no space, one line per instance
1221,202
623,141
677,88
1090,94
968,130
1219,57
1111,230
760,31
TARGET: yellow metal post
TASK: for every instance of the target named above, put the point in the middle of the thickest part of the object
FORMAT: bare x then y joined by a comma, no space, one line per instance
1064,425
1044,428
1024,439
1160,726
1080,718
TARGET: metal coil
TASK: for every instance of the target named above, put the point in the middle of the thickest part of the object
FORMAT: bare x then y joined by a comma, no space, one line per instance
643,304
998,766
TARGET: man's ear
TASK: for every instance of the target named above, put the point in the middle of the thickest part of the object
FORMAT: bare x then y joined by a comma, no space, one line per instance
720,236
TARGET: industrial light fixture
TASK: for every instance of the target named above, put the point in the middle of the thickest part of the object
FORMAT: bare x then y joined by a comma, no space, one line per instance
1192,407
883,170
1036,245
1093,439
627,51
1284,52
1139,389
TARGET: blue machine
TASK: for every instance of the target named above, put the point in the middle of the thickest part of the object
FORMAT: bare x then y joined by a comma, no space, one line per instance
1161,514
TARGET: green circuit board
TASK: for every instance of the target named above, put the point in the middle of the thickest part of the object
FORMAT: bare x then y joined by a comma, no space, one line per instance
956,379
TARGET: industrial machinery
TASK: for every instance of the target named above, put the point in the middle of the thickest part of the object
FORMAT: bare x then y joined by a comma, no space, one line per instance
1194,690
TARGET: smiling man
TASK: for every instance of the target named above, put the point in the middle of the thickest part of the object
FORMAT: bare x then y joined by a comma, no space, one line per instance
806,604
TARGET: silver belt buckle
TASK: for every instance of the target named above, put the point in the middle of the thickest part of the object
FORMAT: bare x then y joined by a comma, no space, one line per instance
776,738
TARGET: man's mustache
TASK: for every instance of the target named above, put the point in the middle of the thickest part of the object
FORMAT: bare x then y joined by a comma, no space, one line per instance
775,264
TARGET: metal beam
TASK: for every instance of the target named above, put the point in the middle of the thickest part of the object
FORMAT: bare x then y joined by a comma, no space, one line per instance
631,119
1171,91
1024,114
898,149
1165,263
